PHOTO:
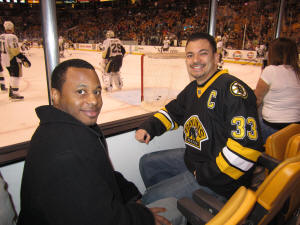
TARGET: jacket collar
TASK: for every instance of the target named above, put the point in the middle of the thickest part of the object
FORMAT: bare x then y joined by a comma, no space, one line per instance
50,114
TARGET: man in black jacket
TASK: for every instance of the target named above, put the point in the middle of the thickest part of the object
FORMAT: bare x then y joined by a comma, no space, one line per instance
68,178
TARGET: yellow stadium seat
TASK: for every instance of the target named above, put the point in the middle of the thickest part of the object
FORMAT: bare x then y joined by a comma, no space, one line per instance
282,145
293,149
247,206
276,143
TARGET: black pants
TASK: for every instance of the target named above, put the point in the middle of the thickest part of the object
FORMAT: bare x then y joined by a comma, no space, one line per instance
114,64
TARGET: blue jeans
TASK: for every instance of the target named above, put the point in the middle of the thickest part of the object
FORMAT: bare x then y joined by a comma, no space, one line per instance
165,175
266,130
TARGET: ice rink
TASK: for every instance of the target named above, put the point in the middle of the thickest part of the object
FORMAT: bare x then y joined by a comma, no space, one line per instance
163,79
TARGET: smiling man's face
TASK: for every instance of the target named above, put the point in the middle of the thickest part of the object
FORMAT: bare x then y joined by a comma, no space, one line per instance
80,95
201,61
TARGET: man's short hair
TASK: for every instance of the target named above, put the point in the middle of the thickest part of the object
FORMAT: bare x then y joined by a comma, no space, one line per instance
206,36
59,73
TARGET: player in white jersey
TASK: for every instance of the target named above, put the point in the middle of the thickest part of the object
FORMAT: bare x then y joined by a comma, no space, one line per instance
12,59
100,46
2,78
113,53
261,51
166,44
25,46
61,46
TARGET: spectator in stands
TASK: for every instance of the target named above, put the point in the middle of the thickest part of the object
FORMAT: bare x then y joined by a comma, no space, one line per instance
278,89
220,129
68,178
137,21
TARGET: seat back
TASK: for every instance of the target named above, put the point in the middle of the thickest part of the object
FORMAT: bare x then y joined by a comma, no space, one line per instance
236,209
276,190
293,149
293,146
276,143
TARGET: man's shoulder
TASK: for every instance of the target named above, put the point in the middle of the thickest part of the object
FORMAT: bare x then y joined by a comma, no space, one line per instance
11,35
233,86
54,139
227,79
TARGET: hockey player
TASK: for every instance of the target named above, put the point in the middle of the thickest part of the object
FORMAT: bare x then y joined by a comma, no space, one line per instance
12,59
25,46
166,44
100,46
113,53
260,51
61,46
2,78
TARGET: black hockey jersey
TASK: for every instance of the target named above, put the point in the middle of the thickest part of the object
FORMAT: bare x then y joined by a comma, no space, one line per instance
220,130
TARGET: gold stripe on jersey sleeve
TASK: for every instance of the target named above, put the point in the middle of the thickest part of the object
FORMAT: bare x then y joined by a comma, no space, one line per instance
228,169
104,53
201,90
248,153
166,120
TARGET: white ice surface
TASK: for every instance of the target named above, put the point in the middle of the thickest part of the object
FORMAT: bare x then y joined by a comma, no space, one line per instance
162,80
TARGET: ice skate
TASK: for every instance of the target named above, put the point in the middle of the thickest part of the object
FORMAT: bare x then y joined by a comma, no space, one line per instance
3,88
14,96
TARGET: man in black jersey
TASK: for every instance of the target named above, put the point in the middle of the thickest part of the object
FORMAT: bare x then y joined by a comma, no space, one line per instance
220,130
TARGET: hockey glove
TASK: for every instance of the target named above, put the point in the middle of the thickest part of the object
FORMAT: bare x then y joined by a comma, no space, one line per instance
24,60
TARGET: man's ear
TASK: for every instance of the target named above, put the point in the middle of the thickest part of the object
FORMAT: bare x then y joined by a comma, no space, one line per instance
55,96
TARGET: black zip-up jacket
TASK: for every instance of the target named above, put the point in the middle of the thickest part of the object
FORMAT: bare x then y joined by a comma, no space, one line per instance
68,178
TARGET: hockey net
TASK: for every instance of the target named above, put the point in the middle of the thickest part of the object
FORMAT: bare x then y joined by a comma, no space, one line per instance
163,76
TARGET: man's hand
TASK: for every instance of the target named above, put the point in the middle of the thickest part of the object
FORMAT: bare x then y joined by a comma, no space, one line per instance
159,220
142,136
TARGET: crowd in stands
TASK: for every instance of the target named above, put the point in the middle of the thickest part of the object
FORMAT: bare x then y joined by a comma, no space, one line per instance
252,22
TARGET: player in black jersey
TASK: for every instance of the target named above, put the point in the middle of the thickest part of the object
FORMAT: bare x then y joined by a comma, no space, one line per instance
220,130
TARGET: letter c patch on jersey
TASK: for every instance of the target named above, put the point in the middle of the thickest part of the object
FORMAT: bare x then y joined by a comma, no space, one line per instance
238,90
194,132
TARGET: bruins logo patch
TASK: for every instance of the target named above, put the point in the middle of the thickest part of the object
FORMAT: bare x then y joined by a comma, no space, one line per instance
194,132
238,90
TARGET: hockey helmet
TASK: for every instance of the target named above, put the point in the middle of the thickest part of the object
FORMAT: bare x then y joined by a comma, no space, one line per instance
110,34
8,25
